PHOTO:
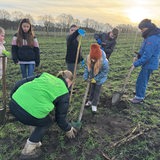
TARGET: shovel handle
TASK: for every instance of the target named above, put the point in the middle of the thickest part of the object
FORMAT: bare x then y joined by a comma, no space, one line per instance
4,80
84,101
75,67
127,78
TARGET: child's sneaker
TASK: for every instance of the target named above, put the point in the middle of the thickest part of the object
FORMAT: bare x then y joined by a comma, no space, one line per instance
89,103
94,109
136,100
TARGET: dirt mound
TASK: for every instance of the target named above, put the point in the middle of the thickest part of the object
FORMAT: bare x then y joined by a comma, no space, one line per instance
95,129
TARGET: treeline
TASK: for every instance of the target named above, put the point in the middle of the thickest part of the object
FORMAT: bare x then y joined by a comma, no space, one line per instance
60,23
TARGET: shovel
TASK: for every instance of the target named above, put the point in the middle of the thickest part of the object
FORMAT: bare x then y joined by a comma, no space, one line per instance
78,124
116,97
75,67
3,108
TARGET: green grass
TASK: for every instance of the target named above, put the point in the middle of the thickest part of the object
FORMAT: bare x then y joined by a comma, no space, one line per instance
109,126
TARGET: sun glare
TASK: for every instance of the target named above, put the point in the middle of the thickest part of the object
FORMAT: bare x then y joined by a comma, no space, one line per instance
137,14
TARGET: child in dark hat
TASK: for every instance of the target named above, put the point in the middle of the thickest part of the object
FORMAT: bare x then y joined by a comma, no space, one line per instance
146,23
107,41
96,71
148,57
115,32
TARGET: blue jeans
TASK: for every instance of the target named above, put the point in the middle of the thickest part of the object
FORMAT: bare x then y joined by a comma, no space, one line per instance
24,117
142,82
27,70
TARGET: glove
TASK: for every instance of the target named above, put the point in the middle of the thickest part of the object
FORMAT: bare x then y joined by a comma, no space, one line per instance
6,53
81,32
137,54
82,63
135,59
99,41
93,80
71,133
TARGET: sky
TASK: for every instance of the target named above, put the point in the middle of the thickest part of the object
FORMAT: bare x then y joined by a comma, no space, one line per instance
113,12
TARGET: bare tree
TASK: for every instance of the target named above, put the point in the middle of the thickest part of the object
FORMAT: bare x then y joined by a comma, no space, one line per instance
106,27
61,20
4,19
47,21
30,18
126,28
65,20
4,15
91,23
85,23
69,20
17,15
76,22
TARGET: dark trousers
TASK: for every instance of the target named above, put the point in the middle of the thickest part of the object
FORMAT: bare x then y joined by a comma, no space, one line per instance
71,66
24,117
94,94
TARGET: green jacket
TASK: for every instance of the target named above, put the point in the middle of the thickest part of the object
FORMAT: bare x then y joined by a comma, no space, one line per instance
37,96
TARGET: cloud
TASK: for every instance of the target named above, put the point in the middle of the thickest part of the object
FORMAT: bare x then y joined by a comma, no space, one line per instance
105,11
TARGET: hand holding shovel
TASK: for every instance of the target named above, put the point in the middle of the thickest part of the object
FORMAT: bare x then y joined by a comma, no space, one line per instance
78,124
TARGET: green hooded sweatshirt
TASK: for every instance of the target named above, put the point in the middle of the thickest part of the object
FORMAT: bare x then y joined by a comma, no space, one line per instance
37,96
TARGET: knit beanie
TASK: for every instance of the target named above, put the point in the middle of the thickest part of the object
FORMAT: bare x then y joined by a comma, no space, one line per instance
146,23
95,51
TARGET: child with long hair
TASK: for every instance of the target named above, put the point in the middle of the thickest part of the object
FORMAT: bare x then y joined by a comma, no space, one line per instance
25,48
96,71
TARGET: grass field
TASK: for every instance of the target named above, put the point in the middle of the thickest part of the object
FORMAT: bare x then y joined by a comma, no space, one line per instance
121,132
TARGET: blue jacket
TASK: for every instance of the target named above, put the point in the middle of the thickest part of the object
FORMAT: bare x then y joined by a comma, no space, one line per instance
149,53
101,77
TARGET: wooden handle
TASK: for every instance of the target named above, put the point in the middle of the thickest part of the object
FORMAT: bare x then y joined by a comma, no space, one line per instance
75,68
127,78
84,101
4,80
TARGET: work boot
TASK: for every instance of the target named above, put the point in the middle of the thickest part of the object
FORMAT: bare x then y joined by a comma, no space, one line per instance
30,150
136,100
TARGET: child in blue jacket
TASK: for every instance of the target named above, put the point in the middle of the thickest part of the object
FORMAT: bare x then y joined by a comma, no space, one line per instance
148,57
96,70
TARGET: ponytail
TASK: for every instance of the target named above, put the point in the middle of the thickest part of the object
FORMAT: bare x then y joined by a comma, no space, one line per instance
65,74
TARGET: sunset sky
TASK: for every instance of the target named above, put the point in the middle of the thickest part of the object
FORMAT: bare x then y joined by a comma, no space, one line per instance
105,11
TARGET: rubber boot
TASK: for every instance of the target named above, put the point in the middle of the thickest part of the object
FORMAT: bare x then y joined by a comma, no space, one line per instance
30,150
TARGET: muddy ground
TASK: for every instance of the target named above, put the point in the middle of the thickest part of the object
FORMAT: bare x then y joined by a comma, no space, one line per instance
98,136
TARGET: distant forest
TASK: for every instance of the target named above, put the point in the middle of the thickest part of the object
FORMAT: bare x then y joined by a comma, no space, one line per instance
61,23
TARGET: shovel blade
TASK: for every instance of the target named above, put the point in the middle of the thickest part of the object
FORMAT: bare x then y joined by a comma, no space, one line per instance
77,125
116,98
